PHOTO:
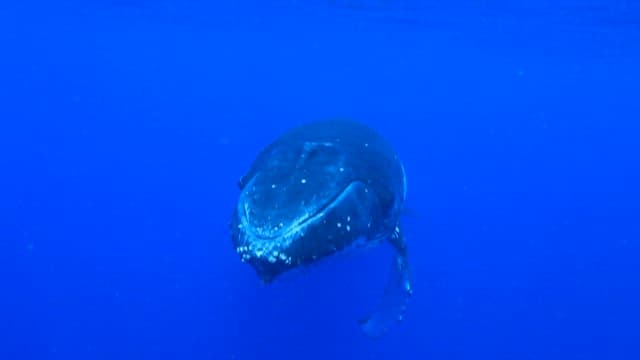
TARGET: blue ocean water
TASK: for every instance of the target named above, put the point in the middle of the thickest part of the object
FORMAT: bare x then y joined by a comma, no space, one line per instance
126,124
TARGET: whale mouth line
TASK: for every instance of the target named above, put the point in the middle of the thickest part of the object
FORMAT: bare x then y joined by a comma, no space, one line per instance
322,209
300,224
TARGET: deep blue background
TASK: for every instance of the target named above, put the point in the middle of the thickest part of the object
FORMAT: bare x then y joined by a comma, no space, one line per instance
125,125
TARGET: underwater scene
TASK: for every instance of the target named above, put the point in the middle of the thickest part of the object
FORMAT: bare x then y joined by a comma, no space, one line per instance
321,179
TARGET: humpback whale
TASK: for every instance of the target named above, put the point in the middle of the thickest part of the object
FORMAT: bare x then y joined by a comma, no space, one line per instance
318,189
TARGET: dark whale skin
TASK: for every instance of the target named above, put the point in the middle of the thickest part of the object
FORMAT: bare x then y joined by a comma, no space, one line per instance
317,189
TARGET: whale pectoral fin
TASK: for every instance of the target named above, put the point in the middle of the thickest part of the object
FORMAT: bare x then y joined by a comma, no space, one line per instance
396,294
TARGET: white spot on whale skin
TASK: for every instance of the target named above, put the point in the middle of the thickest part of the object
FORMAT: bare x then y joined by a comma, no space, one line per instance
304,181
273,186
339,224
407,288
348,228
